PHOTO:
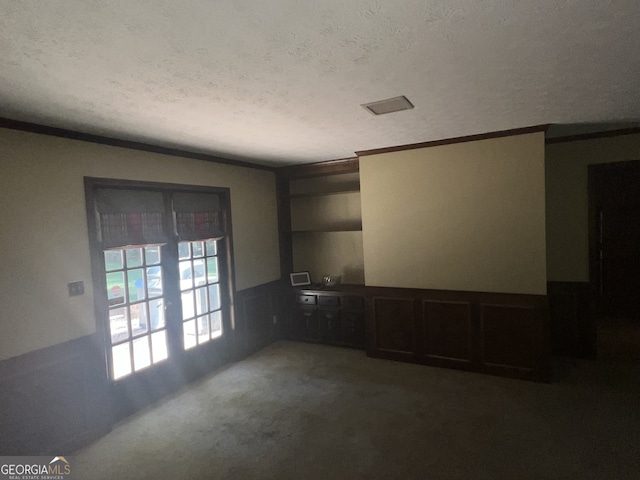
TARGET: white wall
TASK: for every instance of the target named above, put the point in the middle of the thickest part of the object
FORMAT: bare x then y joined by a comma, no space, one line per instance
43,229
567,200
468,216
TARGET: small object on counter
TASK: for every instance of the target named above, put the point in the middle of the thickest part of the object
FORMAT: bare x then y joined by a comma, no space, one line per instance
331,280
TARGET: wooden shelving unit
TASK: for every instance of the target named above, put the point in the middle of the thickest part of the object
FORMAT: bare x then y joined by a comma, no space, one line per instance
322,194
320,221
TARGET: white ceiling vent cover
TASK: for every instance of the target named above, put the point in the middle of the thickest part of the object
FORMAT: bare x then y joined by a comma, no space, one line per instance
389,105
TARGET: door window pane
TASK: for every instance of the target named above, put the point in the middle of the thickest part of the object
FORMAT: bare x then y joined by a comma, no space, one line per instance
212,269
199,278
154,282
138,315
152,255
156,314
115,288
118,324
159,346
211,248
113,260
136,285
216,324
189,334
141,353
214,297
201,301
134,257
197,249
121,360
187,305
203,329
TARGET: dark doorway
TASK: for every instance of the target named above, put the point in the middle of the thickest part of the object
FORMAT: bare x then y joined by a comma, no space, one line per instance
614,191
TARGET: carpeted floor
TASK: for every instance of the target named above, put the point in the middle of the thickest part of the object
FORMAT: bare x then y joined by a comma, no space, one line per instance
619,338
301,411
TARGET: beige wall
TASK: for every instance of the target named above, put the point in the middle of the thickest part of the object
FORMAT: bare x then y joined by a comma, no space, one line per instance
467,216
327,212
329,253
44,239
567,200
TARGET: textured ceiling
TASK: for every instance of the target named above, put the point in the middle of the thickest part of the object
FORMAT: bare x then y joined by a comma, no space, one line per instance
281,82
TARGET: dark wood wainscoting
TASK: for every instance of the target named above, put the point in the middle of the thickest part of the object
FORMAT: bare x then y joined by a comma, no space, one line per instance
573,319
394,327
255,310
58,399
495,333
448,331
510,338
54,399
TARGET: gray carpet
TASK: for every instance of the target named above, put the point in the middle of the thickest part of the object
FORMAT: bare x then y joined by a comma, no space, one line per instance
300,411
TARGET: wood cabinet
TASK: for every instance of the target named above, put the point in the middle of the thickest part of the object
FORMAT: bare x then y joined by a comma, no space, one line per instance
334,317
496,333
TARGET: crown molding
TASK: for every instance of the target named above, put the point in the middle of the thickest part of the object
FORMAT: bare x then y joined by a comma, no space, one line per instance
115,142
594,135
449,141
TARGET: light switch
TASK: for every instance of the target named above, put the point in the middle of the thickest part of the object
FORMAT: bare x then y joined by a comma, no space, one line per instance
76,288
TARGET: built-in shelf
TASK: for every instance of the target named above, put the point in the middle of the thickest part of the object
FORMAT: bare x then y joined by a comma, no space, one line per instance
326,212
323,227
335,230
323,194
325,184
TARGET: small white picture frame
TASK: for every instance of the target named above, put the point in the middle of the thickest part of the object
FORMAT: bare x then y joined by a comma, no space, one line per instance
299,279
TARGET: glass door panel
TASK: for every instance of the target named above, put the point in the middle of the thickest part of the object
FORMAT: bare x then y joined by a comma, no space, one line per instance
200,292
135,295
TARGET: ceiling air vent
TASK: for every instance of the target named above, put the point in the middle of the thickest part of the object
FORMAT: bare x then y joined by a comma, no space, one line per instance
389,105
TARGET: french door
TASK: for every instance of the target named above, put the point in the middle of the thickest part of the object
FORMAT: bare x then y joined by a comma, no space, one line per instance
163,283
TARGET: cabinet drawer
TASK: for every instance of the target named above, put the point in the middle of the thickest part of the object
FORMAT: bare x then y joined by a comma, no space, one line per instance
328,301
307,299
351,301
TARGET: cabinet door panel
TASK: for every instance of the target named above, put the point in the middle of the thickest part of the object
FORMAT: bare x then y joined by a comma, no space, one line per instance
308,324
353,329
331,327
